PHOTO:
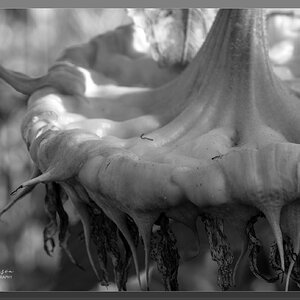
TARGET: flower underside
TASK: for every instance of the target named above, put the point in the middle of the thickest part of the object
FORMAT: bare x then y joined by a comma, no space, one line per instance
220,141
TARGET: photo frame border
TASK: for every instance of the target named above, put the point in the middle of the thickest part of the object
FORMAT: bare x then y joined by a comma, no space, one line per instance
164,4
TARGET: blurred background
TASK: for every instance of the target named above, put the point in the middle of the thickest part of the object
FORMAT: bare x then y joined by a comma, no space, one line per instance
30,41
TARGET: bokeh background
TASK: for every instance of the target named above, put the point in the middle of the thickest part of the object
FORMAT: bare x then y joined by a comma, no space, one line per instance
30,41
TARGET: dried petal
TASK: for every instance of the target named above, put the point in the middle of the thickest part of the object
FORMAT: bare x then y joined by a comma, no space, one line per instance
165,253
220,250
254,247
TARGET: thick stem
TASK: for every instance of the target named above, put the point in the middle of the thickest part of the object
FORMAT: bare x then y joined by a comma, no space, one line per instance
236,44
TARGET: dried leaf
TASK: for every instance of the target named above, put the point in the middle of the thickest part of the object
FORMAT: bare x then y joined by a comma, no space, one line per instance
109,240
289,257
165,253
254,247
220,250
52,227
53,206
